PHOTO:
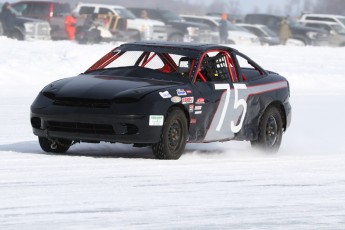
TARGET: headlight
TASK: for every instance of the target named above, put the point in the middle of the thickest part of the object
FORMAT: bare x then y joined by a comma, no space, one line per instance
145,32
145,28
193,31
29,28
312,35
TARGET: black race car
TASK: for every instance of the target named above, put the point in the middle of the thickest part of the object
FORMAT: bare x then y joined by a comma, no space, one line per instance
165,95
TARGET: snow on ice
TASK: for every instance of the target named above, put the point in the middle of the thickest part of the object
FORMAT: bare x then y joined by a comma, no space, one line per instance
213,186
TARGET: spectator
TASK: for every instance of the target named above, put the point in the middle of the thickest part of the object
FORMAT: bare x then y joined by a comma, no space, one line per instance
70,26
285,32
144,14
223,28
8,19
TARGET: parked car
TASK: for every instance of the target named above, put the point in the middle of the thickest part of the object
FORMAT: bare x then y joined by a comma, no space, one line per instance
51,11
265,34
236,35
164,95
306,35
234,18
339,19
336,31
144,29
178,29
29,29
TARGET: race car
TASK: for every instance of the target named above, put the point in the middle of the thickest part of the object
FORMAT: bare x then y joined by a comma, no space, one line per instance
164,95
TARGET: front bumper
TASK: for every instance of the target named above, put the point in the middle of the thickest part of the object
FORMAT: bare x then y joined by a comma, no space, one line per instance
36,37
83,124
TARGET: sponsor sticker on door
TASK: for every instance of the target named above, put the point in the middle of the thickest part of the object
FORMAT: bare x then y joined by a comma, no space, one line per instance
187,100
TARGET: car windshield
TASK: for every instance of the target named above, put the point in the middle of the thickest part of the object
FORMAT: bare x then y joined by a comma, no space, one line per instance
339,29
145,64
171,16
342,20
295,23
268,31
231,26
124,13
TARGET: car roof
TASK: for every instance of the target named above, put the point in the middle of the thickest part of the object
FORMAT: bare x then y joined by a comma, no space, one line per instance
319,22
100,5
198,47
250,25
324,15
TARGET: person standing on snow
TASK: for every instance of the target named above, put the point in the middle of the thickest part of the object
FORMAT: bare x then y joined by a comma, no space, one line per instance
8,19
285,32
70,26
223,29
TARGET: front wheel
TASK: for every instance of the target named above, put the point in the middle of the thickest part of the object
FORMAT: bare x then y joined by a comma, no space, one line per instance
270,131
54,146
173,137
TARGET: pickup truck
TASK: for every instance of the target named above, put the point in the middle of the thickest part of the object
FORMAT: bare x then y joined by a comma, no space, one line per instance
178,29
51,11
307,35
140,29
29,29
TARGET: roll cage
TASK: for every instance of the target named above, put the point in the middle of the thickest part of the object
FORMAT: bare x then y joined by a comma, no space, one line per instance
211,65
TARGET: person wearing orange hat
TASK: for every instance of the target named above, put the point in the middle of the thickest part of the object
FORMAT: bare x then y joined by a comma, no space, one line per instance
70,26
223,29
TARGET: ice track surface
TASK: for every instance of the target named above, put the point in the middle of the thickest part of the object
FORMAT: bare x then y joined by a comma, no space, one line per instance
213,186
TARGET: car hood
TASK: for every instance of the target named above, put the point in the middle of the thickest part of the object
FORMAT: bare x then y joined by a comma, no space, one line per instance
143,22
239,33
105,87
186,24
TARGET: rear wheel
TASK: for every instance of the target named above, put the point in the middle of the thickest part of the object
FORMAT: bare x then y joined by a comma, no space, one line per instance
270,131
55,145
173,137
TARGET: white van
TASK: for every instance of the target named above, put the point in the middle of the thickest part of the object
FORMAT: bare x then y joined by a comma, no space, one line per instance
146,29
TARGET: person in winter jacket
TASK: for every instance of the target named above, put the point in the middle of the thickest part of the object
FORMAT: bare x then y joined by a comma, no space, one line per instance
70,26
8,19
285,32
223,28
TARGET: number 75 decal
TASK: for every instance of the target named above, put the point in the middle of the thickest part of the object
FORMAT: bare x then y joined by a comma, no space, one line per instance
237,104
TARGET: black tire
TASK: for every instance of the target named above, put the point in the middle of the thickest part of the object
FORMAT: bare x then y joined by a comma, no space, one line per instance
270,131
173,137
62,145
18,35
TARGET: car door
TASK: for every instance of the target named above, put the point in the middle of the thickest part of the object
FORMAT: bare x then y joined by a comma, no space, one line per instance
219,87
57,21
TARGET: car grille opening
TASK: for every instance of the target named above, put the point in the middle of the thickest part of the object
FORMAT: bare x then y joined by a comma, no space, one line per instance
73,127
79,102
36,122
131,129
101,129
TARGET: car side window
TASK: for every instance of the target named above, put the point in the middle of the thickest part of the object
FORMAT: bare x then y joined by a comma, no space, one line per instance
248,70
105,11
217,67
86,10
21,8
61,9
39,9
